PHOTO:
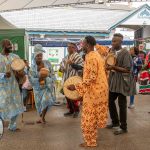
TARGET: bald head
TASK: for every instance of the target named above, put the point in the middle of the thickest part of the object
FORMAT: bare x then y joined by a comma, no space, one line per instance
6,45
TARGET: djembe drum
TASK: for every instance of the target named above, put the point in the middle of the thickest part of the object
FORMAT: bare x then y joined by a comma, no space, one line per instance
110,59
18,66
72,95
43,72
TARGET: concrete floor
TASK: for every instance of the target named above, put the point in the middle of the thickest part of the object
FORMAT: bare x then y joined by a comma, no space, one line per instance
64,133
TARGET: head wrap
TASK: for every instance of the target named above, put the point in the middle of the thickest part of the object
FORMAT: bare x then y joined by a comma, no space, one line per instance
38,49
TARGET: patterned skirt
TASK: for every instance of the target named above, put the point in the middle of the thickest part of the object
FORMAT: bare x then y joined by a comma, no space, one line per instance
144,87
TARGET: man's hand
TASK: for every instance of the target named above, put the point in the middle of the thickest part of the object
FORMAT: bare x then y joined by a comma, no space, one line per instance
71,87
69,62
118,69
43,76
8,74
108,67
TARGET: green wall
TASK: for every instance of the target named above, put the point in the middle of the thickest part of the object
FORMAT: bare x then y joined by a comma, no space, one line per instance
16,36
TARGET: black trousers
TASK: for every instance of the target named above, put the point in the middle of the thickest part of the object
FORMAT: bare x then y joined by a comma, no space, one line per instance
122,102
72,105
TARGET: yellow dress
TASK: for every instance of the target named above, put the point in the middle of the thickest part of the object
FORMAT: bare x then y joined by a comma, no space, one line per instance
94,90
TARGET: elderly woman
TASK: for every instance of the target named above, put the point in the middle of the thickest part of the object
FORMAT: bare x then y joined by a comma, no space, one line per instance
43,94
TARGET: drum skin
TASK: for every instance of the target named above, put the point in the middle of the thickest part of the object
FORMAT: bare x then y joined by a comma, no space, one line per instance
72,95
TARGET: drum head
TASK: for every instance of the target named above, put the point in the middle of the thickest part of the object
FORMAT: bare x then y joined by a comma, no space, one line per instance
17,64
111,60
72,95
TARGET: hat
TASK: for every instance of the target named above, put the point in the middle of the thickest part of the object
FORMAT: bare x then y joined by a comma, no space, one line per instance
38,48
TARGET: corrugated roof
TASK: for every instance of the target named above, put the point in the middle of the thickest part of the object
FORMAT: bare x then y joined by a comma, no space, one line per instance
65,19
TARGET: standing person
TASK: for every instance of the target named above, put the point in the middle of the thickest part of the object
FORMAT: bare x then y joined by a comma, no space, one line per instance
43,94
27,67
71,66
26,86
102,50
94,90
121,85
137,65
10,97
142,55
144,79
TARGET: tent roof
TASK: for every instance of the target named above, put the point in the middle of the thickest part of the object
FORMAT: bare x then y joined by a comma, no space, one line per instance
4,24
65,19
7,5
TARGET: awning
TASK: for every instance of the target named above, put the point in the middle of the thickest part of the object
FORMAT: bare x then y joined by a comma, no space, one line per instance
8,5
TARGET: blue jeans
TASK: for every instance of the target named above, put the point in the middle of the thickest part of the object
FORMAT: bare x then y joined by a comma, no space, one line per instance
131,100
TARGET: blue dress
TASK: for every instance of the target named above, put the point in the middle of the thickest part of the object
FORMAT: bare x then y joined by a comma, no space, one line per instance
43,95
11,104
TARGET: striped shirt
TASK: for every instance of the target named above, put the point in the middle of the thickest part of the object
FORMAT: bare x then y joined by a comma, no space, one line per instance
69,70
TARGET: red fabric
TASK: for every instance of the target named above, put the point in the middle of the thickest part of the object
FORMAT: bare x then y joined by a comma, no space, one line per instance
144,91
74,107
144,75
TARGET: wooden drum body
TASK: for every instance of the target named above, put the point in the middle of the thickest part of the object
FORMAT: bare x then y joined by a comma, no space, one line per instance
72,95
18,66
44,72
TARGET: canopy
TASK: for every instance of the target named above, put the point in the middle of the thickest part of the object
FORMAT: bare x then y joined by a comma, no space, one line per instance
8,5
65,19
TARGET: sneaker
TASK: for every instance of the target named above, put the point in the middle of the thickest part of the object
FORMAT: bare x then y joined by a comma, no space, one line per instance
111,126
68,114
75,115
131,106
120,131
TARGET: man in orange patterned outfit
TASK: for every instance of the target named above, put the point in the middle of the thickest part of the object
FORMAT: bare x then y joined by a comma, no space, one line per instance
94,90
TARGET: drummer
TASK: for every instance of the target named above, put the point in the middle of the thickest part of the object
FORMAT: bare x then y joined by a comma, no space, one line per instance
71,66
43,94
102,50
94,90
121,85
10,97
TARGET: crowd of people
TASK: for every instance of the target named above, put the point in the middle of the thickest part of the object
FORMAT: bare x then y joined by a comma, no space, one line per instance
101,85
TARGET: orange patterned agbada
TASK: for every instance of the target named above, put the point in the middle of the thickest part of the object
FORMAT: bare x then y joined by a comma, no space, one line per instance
94,90
102,50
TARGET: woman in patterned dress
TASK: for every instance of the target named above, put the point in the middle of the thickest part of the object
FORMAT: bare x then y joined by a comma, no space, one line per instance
44,97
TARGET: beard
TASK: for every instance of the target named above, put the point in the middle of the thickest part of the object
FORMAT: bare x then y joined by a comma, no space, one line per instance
84,50
8,50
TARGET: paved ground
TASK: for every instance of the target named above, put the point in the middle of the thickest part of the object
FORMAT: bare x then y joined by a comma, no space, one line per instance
64,133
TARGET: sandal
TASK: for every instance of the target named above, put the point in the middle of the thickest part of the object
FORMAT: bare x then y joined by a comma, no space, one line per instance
16,130
83,145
